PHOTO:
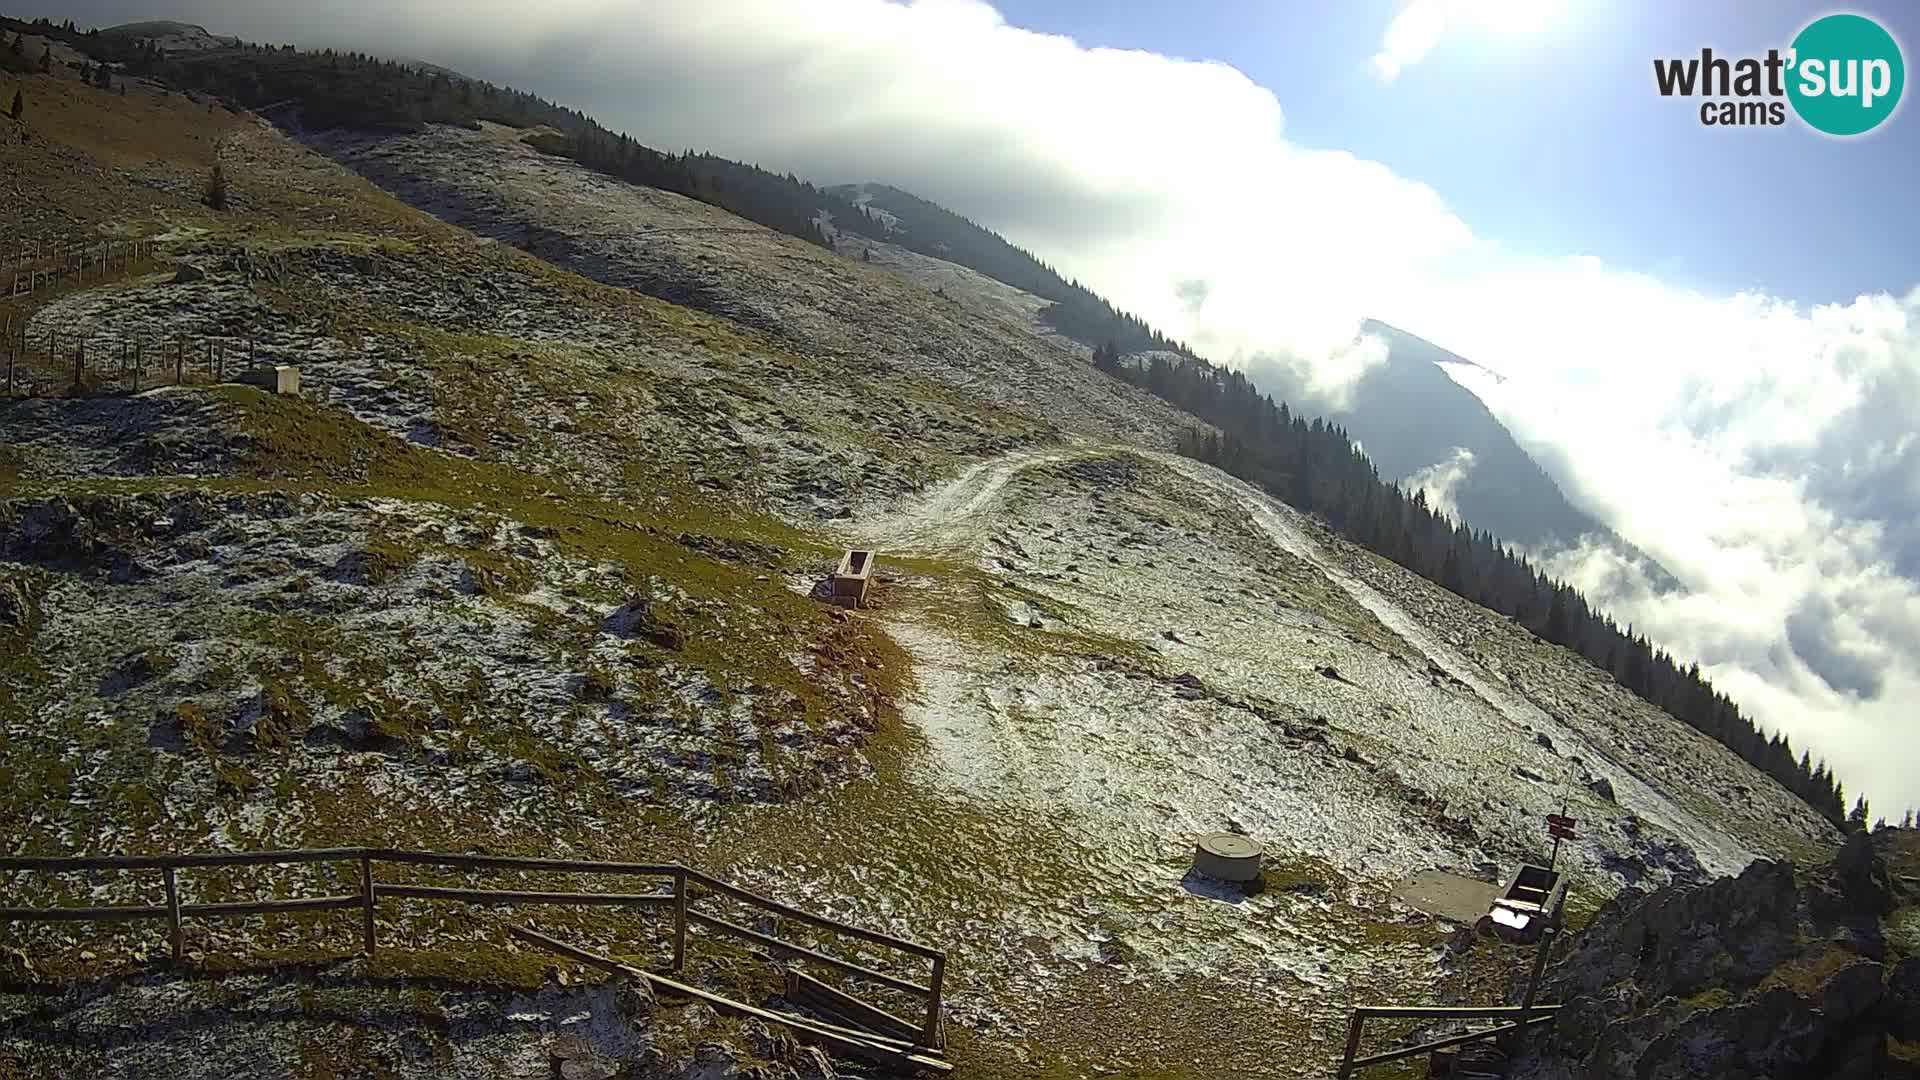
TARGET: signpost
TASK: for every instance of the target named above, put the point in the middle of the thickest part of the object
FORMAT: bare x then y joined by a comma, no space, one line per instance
1560,827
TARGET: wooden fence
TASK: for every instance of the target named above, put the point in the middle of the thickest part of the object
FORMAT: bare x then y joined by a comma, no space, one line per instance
77,363
1521,1017
371,891
42,265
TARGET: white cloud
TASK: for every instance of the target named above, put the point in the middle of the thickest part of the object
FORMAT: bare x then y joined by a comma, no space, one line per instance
1763,452
1438,481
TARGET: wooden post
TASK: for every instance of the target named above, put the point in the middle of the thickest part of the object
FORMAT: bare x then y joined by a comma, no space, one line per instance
930,1035
1547,936
679,918
1354,1024
180,361
173,912
79,364
366,901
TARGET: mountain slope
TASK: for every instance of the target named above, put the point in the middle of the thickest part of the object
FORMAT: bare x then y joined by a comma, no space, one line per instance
527,568
1412,417
1407,413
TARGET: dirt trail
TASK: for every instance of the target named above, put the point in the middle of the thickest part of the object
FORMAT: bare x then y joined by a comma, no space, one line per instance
1277,521
955,517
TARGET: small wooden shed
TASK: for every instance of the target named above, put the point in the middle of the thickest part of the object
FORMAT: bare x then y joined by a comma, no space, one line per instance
849,582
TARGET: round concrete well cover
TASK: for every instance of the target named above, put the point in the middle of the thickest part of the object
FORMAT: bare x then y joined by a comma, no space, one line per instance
1230,845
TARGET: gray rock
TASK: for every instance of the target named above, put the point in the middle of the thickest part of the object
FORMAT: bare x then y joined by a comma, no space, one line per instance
13,605
1903,999
1853,991
185,273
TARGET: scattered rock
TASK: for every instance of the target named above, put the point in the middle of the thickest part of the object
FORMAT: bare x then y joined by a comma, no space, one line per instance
1602,787
185,273
13,605
636,618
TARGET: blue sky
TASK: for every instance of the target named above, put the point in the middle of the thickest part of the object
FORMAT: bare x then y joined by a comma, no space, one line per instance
1556,142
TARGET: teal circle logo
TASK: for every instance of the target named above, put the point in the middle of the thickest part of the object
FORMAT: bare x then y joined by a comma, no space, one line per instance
1846,74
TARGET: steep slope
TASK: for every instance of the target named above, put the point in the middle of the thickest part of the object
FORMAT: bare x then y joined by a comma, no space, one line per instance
526,569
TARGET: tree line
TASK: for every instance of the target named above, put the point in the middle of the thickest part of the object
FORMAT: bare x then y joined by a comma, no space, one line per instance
1075,310
1316,468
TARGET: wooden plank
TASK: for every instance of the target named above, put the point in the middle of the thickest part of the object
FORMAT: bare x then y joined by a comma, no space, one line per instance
117,913
367,899
874,936
60,864
811,992
504,896
680,919
1442,1044
173,913
1446,1012
870,1049
243,908
1355,1024
514,862
785,948
931,1034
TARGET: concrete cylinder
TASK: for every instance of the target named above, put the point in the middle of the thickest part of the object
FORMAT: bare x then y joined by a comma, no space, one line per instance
1227,856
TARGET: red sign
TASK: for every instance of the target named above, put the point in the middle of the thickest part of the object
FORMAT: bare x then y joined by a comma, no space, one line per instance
1562,833
1557,821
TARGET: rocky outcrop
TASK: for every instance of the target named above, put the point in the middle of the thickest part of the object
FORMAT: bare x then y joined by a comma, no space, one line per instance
1769,974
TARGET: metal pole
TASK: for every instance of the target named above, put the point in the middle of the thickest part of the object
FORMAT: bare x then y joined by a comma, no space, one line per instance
173,911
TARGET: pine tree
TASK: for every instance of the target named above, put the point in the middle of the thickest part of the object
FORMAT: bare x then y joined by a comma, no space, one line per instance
19,110
1857,820
18,47
46,60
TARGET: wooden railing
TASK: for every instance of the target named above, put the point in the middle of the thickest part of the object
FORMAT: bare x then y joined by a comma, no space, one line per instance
372,891
1524,1017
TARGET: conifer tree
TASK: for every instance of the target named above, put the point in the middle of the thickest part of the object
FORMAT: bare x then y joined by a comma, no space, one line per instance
19,110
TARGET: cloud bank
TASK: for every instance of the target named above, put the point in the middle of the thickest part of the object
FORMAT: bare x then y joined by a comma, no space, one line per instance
1763,452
